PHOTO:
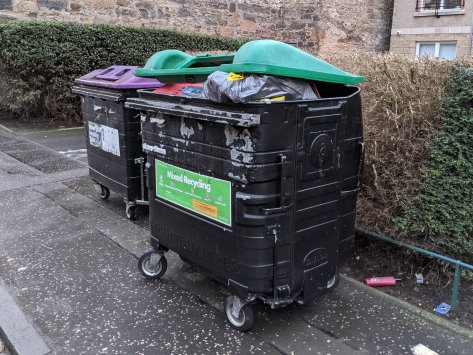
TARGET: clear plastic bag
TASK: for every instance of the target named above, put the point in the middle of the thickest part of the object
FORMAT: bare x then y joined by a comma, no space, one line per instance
224,87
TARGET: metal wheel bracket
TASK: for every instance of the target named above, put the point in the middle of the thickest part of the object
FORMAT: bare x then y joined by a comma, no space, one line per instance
237,305
154,260
129,203
98,188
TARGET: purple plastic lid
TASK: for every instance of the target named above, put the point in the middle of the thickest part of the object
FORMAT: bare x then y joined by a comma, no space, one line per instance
118,77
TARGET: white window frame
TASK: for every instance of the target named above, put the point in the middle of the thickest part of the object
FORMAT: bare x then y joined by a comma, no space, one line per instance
436,48
441,7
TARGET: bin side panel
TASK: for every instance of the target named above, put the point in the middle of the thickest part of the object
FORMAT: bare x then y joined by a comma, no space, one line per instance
326,165
250,158
113,142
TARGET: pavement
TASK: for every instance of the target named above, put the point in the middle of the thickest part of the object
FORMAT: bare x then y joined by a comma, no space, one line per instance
69,281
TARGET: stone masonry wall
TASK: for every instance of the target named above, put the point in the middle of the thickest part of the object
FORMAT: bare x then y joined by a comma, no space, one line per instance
319,26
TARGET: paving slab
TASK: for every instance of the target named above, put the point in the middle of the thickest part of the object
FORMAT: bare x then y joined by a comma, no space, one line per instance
23,337
83,292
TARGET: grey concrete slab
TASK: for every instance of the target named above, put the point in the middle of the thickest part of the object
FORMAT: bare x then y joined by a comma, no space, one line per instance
35,155
16,175
21,335
83,292
67,141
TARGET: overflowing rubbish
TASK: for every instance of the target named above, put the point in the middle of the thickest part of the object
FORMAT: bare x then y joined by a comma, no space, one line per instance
224,87
181,89
382,281
421,349
443,308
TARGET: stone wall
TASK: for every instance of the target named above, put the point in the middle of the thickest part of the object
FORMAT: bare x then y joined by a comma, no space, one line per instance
319,26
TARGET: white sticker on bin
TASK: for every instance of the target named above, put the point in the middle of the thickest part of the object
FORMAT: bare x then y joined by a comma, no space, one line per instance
104,137
153,148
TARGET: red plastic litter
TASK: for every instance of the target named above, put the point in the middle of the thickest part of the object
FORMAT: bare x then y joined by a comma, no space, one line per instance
175,89
381,281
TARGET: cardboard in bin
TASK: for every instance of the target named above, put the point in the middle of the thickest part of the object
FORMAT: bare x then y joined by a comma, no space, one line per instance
173,66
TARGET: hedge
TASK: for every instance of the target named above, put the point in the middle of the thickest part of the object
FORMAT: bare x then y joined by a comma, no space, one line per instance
418,173
443,212
39,60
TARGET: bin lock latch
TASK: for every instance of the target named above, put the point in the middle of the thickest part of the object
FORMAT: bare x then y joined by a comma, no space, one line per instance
273,231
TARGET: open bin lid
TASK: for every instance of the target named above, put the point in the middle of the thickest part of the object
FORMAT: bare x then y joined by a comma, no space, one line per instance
278,58
173,66
118,77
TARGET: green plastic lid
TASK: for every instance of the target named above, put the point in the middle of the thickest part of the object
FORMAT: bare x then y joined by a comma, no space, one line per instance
173,66
277,58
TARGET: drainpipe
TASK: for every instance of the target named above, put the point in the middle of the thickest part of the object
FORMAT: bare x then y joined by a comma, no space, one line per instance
470,34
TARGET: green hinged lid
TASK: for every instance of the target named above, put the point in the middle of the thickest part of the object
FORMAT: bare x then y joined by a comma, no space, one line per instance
173,66
277,58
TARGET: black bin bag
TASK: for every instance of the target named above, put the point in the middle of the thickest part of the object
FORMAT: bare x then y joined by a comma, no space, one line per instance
224,87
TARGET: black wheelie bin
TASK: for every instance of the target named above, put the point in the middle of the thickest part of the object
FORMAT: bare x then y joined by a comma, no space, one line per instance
114,149
261,195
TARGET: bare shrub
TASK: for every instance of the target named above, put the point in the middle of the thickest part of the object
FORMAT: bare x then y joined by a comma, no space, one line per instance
402,101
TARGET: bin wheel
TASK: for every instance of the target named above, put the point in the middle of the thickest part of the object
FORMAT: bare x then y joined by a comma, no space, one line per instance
245,319
332,283
104,192
148,270
130,212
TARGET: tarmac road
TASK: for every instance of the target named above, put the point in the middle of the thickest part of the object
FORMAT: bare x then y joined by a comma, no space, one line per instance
68,264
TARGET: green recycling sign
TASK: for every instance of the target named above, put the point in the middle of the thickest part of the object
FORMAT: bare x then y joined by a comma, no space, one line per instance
202,194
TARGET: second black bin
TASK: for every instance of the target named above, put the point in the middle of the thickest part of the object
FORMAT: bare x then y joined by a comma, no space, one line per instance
260,195
115,157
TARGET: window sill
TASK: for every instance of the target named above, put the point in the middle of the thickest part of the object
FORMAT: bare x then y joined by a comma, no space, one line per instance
439,12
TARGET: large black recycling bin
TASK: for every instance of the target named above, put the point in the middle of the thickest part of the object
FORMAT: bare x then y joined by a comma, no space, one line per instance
261,195
114,148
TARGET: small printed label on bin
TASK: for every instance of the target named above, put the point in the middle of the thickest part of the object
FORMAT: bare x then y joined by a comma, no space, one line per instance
202,194
104,137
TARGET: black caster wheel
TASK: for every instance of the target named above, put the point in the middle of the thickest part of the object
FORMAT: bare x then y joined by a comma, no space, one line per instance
245,318
332,283
104,192
152,265
130,212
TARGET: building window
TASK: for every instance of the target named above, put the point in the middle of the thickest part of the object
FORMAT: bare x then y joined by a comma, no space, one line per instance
431,5
442,50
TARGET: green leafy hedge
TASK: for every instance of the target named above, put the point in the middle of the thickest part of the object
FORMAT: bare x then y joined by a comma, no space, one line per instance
443,212
39,60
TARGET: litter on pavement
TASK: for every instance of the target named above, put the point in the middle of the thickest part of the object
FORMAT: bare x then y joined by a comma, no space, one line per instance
421,349
381,281
443,308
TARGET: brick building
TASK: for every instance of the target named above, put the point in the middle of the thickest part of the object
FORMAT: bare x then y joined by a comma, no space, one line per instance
438,28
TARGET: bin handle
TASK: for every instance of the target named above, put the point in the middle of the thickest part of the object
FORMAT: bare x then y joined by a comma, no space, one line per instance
283,207
361,162
148,176
346,193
